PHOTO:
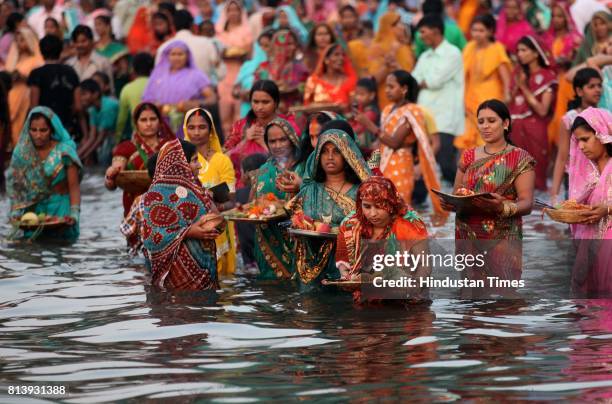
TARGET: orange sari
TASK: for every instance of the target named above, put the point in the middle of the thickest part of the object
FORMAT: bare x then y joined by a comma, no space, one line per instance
398,164
318,90
482,82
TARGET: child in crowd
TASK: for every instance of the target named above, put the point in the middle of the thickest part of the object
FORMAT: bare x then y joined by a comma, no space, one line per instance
365,102
102,111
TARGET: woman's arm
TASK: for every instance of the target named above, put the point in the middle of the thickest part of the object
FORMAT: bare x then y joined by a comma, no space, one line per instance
541,108
505,76
524,185
398,138
74,191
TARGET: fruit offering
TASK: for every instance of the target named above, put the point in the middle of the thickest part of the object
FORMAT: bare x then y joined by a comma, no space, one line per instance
572,205
464,192
264,207
30,219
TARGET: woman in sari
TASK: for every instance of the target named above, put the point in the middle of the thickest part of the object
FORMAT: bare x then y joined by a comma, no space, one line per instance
321,37
44,174
596,37
273,250
387,54
181,224
216,168
150,134
234,32
562,38
403,125
333,81
287,18
381,214
106,45
284,69
328,196
506,172
23,57
590,184
247,134
533,98
177,84
512,26
487,76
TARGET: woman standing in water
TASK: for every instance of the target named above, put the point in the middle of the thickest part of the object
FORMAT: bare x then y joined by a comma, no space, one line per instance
591,181
215,168
506,172
44,174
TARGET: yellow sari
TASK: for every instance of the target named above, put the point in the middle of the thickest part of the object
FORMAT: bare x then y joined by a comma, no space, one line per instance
482,82
216,170
385,43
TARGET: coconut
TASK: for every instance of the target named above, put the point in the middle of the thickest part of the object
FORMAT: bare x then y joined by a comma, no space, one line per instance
29,219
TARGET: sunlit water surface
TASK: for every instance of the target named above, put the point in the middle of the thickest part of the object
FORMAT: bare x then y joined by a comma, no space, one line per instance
83,317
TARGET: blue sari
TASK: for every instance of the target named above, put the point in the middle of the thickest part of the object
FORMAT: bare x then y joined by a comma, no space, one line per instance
31,181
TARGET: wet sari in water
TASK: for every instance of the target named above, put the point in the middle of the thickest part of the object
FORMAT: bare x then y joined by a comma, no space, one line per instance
495,173
31,182
173,203
592,274
315,259
273,249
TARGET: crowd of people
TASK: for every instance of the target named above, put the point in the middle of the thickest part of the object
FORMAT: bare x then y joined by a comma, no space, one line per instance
351,111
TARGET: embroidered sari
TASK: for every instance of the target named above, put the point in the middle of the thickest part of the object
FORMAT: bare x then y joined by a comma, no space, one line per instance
32,182
398,164
314,259
318,90
529,130
273,249
173,203
592,272
136,153
495,173
213,172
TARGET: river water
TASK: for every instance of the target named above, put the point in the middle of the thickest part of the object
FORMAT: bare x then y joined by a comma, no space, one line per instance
83,317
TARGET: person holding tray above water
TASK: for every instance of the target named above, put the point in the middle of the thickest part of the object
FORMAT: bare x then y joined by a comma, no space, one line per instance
506,173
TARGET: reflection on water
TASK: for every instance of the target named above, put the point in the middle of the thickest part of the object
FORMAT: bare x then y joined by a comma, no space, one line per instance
82,316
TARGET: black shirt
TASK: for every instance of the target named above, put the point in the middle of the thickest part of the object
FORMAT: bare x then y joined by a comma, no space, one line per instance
56,83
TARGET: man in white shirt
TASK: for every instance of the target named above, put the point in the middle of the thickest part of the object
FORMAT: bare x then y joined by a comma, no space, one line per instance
49,9
87,62
204,51
439,72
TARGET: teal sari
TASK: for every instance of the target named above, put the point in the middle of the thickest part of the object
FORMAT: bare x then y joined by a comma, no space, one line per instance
273,247
315,259
31,181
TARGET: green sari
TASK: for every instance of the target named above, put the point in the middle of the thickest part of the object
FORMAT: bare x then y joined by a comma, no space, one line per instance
31,181
273,249
315,259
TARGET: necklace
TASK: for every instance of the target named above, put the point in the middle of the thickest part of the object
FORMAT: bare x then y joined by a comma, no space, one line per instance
484,148
338,191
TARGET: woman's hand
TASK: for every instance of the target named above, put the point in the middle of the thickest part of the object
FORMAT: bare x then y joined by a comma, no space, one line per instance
594,215
289,182
109,177
522,79
492,205
210,226
255,132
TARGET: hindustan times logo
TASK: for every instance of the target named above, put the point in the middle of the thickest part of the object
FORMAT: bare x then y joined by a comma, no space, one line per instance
414,261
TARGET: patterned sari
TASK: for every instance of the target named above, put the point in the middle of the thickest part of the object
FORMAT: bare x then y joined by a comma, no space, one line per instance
32,183
273,249
315,259
318,90
495,173
398,164
173,203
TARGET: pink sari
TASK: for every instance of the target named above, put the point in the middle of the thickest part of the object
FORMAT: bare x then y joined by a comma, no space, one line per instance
592,273
509,33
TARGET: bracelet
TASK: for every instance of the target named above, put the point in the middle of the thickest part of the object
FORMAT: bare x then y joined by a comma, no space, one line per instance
509,209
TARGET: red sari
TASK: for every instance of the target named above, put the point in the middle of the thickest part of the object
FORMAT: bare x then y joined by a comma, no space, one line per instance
529,130
136,153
